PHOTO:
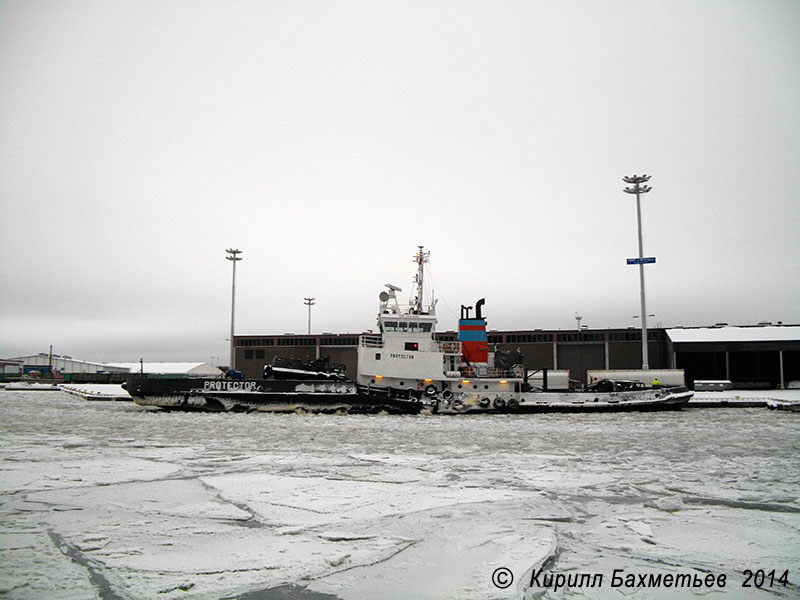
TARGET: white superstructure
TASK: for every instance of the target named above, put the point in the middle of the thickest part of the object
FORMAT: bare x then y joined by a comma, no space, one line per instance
405,356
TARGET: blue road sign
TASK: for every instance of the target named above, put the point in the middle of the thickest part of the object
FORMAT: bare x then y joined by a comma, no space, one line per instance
647,260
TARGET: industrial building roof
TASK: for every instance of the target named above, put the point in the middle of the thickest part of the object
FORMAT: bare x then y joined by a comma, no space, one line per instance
67,364
766,333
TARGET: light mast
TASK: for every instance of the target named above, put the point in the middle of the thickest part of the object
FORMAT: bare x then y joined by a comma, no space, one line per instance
421,257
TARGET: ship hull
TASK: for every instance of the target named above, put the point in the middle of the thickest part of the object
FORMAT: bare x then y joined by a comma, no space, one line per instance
262,395
282,396
566,402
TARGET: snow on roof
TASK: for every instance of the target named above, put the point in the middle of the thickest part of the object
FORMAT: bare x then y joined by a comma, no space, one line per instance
194,368
736,334
46,357
63,362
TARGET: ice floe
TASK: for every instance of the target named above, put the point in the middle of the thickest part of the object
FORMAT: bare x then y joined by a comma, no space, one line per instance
114,500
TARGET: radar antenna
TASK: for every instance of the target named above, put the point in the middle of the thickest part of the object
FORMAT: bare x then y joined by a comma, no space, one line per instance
390,295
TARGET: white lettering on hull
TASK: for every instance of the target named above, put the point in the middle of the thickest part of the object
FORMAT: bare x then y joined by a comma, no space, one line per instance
225,386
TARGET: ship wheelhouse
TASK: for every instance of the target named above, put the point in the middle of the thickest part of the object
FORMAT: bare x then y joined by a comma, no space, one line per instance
404,353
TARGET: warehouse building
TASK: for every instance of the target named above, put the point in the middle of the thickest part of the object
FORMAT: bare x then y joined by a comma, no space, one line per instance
48,364
760,356
171,369
11,366
575,351
764,356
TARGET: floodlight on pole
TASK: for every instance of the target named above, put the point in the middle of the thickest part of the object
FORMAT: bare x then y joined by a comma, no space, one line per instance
234,258
639,189
309,302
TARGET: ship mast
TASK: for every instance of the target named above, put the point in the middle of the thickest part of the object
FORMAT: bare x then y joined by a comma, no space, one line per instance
421,257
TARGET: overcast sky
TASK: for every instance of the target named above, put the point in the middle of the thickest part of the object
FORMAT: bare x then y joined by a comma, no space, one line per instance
326,140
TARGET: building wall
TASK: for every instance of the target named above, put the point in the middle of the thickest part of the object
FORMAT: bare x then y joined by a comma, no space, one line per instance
253,352
791,365
755,368
12,367
65,364
747,365
579,358
571,350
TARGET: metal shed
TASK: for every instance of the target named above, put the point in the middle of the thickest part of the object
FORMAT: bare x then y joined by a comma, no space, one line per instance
763,356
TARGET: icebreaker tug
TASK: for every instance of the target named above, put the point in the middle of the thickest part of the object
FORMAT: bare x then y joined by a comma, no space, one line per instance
405,361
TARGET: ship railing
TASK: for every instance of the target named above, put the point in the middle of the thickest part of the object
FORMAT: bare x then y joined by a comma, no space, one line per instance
480,371
371,341
449,347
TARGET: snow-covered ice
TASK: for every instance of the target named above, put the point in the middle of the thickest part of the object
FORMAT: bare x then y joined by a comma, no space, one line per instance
111,500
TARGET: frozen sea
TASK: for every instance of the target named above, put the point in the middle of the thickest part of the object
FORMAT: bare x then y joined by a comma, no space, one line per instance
110,500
